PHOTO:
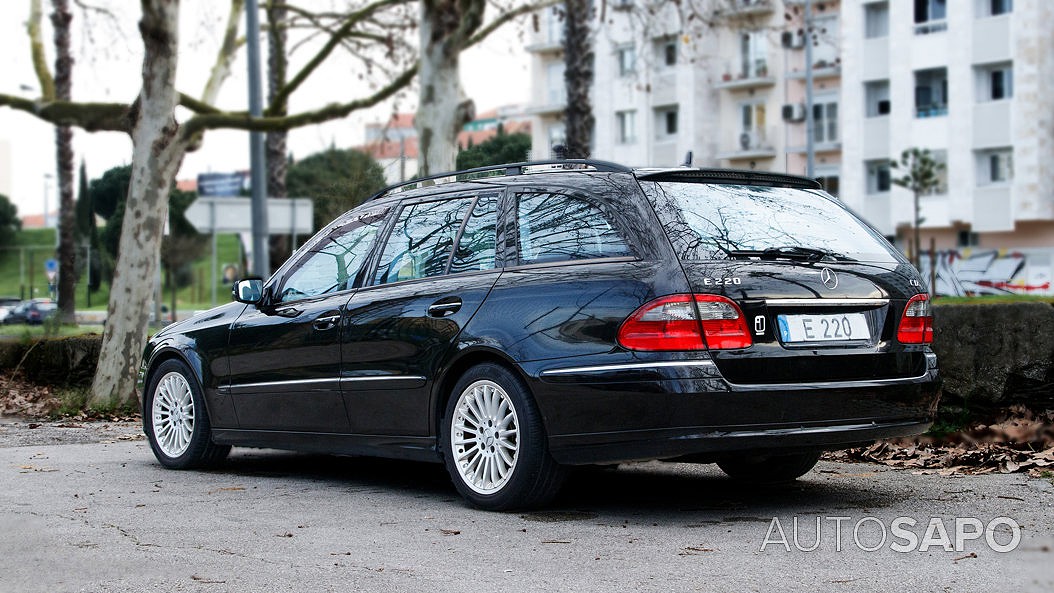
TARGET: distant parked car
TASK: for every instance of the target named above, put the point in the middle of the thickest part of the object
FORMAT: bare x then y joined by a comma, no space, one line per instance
32,312
6,305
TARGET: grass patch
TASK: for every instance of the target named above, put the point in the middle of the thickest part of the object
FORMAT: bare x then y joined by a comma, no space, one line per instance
72,401
27,333
993,299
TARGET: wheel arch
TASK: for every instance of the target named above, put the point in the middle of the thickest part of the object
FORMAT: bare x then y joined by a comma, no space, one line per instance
455,368
165,353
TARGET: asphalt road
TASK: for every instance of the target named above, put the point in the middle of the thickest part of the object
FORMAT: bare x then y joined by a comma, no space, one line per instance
106,517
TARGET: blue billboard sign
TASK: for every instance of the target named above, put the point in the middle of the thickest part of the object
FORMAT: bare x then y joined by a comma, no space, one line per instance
220,184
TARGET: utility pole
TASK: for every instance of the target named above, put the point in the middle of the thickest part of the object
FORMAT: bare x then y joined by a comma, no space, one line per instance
261,257
810,139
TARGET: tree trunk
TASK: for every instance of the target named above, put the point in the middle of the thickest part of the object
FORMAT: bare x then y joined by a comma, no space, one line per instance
156,156
277,160
60,19
442,109
578,77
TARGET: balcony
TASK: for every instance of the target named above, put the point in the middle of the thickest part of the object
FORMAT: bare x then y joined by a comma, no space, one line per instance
748,144
750,76
820,71
550,47
930,27
746,8
547,109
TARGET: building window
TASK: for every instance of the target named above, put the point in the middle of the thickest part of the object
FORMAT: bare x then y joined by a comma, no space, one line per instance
825,120
556,91
995,82
753,47
995,166
825,52
666,122
877,176
876,20
994,7
627,60
830,184
930,16
876,96
931,92
557,134
966,238
627,126
752,130
666,52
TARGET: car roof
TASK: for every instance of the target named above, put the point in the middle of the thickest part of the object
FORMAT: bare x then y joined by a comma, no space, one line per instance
557,171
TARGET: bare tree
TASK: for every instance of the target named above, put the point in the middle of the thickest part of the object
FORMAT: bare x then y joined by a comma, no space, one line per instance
578,77
277,160
446,25
58,88
160,142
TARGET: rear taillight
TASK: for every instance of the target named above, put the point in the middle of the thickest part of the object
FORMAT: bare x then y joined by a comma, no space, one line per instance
724,326
676,323
916,324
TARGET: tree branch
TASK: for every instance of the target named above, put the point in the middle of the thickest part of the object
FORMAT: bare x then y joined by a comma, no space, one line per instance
92,117
243,121
505,17
36,47
221,70
352,19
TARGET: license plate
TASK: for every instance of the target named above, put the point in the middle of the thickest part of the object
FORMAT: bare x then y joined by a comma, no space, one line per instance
823,328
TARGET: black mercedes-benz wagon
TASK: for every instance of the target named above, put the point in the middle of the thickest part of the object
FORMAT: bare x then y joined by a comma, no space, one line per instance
515,321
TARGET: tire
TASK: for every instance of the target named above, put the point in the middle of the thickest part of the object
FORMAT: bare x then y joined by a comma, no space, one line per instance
771,469
498,458
176,422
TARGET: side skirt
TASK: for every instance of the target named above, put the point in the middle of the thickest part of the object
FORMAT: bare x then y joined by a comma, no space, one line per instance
392,447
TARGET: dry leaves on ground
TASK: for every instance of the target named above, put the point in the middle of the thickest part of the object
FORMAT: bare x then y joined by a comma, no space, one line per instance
1020,440
21,398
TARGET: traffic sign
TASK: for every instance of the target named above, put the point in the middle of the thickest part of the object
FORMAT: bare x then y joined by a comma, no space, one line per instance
234,215
51,268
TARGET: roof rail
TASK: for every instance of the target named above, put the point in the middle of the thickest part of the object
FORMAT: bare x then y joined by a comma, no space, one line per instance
730,176
504,171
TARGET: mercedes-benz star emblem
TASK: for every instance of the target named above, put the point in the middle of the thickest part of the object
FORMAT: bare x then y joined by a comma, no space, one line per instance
829,279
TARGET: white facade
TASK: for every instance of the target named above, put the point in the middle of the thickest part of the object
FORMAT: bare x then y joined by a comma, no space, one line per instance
972,87
665,85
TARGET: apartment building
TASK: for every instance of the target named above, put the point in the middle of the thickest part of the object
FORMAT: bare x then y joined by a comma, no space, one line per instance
724,79
969,80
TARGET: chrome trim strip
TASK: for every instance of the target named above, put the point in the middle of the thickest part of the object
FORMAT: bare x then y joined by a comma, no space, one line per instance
825,384
628,366
282,383
382,378
827,302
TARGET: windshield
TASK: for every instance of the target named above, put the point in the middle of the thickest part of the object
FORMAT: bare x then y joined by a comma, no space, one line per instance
711,221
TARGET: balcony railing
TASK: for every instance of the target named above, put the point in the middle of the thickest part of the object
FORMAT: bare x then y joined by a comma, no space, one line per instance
931,27
935,110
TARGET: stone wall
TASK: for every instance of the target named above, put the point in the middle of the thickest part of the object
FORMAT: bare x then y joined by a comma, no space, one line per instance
993,355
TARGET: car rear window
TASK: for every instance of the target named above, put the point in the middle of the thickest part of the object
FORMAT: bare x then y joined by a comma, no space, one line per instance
714,221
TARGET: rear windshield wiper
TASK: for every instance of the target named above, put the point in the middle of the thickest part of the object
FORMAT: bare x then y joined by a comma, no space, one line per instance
792,252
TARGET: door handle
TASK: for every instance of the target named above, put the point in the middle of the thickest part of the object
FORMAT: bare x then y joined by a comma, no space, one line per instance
326,322
444,307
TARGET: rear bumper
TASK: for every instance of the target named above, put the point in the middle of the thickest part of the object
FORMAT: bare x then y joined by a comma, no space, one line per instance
707,444
641,410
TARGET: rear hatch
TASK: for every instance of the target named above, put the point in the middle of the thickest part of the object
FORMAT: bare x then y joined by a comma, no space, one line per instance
821,293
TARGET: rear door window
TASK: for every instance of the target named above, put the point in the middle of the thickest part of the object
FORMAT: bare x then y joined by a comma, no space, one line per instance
477,246
555,227
422,240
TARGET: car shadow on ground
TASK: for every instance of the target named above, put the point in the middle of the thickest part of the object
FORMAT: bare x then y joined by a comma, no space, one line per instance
644,491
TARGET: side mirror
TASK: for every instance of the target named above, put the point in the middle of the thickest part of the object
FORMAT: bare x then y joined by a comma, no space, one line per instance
248,291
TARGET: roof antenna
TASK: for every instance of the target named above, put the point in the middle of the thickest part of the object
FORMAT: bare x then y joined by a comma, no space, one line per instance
687,160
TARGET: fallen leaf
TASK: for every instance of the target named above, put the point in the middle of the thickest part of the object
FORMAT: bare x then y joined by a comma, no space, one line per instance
450,532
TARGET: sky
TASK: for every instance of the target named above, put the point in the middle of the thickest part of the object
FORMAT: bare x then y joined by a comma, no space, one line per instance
107,68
